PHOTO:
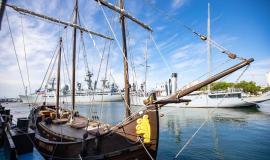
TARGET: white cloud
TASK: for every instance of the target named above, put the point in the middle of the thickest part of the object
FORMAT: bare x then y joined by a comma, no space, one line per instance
177,3
160,28
189,50
257,71
188,64
41,39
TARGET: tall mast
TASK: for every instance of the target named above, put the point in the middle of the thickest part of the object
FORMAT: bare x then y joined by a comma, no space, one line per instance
58,78
74,54
209,46
124,14
126,78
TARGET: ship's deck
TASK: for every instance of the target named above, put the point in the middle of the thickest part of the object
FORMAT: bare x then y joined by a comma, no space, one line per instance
74,130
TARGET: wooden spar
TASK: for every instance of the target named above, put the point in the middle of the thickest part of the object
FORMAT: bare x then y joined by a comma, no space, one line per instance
74,54
127,98
224,73
124,13
58,78
55,20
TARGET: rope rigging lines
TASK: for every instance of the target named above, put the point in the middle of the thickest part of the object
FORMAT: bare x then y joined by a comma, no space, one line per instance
207,119
201,36
25,57
15,52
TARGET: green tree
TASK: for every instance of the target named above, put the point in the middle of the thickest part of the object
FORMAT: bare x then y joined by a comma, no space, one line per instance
220,86
248,87
266,89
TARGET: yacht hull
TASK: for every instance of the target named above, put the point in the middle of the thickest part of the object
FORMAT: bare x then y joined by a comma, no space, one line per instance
203,101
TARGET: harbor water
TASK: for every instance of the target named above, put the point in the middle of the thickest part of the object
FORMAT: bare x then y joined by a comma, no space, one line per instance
224,133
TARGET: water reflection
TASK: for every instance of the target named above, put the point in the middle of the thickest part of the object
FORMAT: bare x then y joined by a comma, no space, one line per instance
225,130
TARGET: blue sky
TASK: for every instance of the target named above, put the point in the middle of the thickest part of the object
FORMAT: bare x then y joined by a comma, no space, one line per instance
241,26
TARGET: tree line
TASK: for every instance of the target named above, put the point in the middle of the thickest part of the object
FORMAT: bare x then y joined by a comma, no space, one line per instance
246,86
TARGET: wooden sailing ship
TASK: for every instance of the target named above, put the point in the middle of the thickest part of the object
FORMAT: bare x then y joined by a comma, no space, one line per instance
65,134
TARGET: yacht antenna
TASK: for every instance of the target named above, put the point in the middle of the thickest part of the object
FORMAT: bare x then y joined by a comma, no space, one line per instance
209,50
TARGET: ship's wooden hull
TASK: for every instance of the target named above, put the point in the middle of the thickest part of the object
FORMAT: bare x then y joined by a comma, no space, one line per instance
121,142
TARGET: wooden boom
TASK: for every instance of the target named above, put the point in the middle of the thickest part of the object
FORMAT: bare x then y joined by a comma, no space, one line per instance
187,91
55,20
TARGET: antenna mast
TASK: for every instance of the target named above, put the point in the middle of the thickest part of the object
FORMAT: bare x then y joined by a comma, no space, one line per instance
209,46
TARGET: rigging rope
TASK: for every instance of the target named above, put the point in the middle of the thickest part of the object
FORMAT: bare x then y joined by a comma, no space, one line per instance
145,149
161,55
114,35
105,78
26,63
202,37
15,52
206,120
208,72
99,69
43,80
84,54
66,64
99,53
92,109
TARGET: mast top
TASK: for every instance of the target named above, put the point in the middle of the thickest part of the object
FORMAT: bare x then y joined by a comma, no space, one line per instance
124,13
